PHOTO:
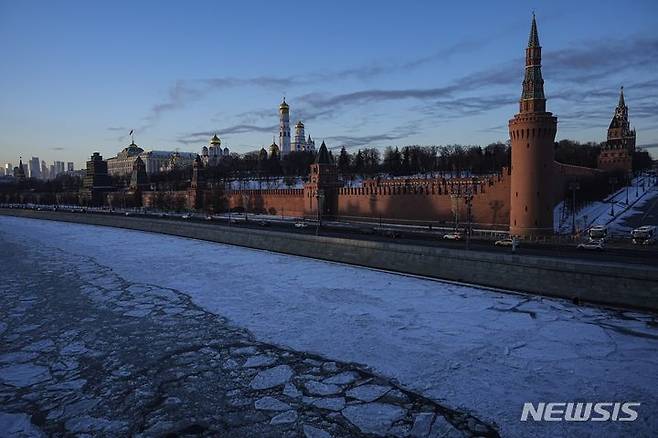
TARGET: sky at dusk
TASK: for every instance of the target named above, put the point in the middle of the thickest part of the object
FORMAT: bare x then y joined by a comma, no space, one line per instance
77,76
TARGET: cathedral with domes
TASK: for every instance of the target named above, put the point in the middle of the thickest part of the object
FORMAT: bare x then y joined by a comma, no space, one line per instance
212,154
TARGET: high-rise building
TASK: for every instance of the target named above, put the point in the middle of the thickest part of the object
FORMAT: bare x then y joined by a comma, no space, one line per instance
44,170
2,171
59,167
9,169
97,181
35,168
96,176
284,128
532,133
70,167
19,171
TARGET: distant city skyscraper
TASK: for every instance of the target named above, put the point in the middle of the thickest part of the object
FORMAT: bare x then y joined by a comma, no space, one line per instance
9,169
44,170
70,167
59,168
2,171
35,168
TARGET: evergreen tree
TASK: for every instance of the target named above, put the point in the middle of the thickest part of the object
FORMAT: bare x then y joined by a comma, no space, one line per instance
343,161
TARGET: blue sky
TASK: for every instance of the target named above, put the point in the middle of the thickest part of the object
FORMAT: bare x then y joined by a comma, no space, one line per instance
77,76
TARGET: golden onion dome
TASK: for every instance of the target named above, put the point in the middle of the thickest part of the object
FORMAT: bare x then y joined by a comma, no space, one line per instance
284,105
215,140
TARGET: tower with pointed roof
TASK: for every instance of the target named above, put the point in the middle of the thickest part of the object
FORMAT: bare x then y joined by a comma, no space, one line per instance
321,191
617,152
532,133
284,128
19,172
139,178
310,144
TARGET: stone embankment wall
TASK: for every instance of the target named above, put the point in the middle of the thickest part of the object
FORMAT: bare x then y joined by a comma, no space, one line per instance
614,284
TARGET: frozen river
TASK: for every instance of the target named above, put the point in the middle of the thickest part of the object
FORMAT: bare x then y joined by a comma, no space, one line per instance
468,349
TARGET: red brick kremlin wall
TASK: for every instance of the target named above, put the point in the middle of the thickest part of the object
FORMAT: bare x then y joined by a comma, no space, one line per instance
429,200
287,202
418,200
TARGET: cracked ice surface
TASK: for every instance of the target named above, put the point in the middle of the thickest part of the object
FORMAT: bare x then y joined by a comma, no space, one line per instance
470,349
76,360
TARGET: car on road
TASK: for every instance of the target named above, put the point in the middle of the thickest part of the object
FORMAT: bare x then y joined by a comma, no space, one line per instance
644,235
506,242
591,245
393,234
598,232
186,216
455,235
300,225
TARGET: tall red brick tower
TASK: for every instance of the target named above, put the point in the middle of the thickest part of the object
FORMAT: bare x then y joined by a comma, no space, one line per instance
532,132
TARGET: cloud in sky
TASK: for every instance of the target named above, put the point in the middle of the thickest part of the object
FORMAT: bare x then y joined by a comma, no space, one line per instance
575,76
365,140
197,137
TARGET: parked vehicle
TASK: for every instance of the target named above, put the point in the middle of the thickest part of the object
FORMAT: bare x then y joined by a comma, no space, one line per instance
644,235
591,245
455,235
300,225
505,242
186,216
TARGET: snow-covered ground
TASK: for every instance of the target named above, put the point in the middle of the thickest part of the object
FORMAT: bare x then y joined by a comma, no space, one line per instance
599,212
619,226
474,349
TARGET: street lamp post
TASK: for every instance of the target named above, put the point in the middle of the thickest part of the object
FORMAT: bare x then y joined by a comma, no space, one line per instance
468,199
319,195
612,180
637,187
573,186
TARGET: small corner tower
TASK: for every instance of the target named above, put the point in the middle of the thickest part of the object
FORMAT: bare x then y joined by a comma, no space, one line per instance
284,128
532,133
321,190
